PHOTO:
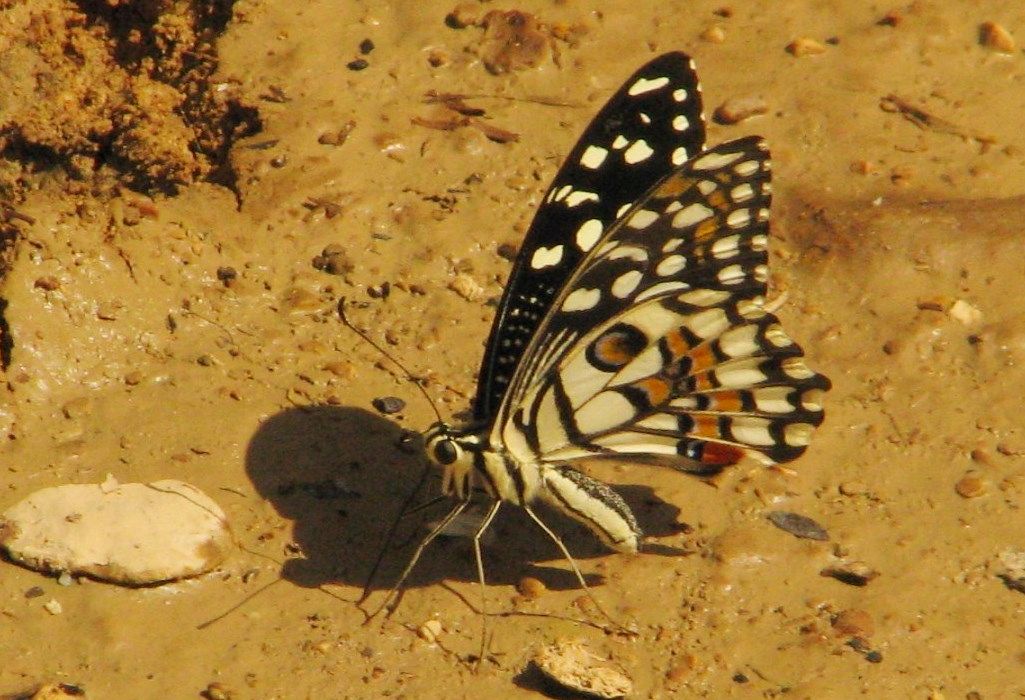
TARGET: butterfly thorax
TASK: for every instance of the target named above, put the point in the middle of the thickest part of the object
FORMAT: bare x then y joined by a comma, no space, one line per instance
469,463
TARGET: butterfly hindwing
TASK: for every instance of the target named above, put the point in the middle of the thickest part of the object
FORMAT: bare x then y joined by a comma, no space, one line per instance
659,345
652,124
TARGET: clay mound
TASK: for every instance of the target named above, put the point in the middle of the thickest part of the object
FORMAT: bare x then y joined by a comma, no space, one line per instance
123,87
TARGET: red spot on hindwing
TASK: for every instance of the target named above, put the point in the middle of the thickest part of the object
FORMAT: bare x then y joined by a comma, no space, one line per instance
718,455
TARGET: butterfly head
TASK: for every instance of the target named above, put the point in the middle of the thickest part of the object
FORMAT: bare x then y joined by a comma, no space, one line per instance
452,450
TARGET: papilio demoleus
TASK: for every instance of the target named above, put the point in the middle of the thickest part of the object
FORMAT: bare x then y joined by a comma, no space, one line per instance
633,324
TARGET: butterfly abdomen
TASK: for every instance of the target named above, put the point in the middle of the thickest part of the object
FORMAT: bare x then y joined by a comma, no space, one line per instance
591,503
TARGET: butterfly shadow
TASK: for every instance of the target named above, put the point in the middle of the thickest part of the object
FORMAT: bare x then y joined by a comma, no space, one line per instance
341,475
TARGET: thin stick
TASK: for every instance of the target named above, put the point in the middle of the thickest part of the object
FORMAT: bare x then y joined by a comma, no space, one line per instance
236,606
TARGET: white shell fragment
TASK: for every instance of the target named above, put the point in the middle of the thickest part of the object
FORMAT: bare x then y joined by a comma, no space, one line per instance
133,534
575,667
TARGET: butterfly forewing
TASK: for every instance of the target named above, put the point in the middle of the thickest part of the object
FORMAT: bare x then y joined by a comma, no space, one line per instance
659,346
652,124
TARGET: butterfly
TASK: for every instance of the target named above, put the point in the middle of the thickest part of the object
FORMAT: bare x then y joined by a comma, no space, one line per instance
633,325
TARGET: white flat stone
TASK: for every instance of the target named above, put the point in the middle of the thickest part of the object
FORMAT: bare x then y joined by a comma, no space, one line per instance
133,534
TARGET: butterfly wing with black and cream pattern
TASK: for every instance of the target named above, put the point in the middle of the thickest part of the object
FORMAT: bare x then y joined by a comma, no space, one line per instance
652,124
658,345
633,323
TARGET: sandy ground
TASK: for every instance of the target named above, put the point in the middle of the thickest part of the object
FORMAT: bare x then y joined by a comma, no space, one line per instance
896,236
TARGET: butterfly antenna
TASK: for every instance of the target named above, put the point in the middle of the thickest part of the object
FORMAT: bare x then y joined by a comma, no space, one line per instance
409,375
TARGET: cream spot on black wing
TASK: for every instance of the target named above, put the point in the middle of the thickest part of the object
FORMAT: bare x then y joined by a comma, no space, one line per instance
546,257
593,157
589,233
581,300
644,85
626,283
579,197
639,151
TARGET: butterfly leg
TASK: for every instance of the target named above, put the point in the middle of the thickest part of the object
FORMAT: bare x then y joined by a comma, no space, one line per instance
438,529
572,562
484,525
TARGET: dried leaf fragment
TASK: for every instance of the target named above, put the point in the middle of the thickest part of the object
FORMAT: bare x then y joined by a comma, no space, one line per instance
737,109
855,573
513,41
804,46
575,667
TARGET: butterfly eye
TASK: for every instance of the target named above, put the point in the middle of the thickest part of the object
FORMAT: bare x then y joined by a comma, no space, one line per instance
446,452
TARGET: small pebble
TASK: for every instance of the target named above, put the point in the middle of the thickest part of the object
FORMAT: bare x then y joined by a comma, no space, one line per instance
134,378
740,678
853,623
77,408
964,313
345,370
862,167
902,174
107,310
437,58
53,606
48,283
380,291
217,691
465,14
65,579
227,275
507,250
714,34
994,36
389,404
531,588
337,137
467,287
357,64
299,300
34,592
798,525
982,456
334,260
429,631
683,667
971,485
737,109
366,46
52,691
874,657
805,47
853,488
893,18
